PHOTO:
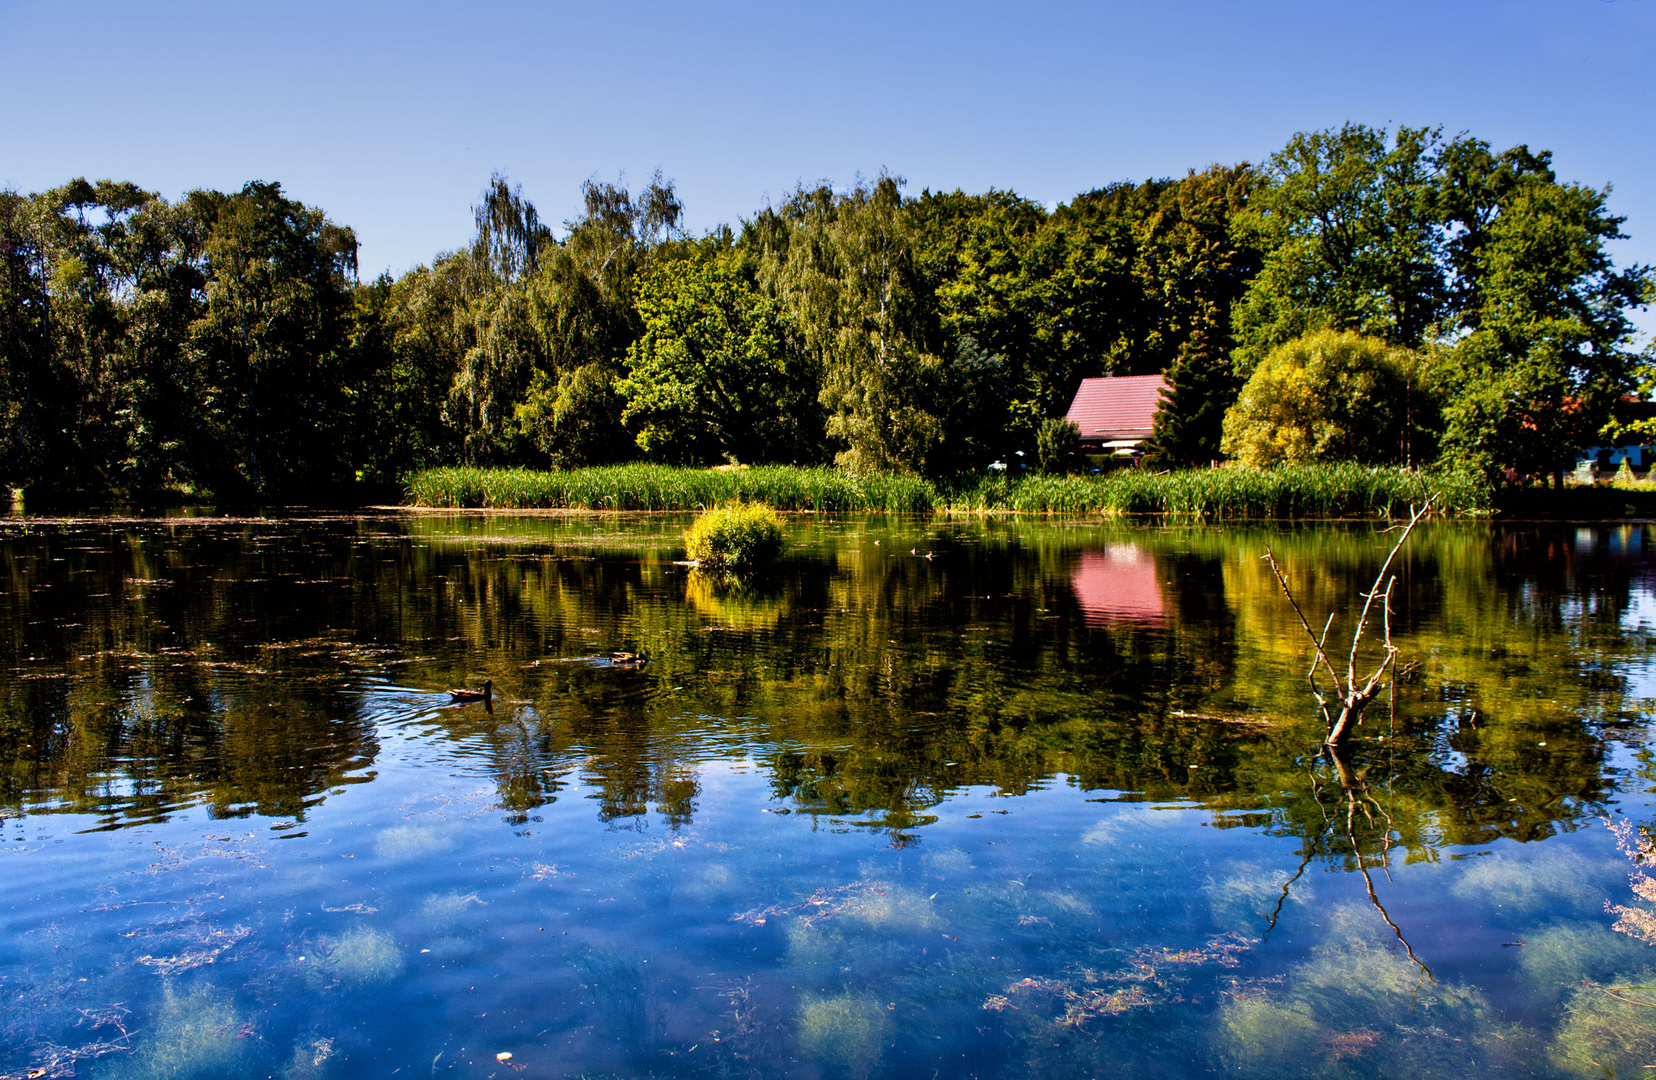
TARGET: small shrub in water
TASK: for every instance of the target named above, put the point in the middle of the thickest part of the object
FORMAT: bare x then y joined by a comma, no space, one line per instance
741,535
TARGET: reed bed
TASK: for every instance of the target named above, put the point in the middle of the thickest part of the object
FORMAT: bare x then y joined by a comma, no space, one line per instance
640,486
1341,490
1288,491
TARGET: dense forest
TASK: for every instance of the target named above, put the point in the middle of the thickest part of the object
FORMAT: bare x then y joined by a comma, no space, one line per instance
1361,295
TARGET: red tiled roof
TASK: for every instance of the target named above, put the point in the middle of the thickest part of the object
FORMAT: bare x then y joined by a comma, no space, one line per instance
1117,408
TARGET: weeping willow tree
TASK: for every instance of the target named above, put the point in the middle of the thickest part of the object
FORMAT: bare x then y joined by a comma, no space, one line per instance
584,300
842,264
540,327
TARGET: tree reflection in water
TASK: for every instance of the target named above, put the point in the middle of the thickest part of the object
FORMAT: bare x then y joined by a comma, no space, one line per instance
160,664
263,668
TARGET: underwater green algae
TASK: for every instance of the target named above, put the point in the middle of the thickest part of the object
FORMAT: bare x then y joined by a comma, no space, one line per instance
1609,1029
1557,958
1538,879
197,1035
361,956
845,1029
1359,1008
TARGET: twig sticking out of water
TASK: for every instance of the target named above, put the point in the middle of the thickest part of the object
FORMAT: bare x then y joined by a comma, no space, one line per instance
1347,695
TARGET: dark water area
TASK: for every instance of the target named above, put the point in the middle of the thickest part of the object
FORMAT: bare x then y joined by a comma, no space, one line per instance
952,798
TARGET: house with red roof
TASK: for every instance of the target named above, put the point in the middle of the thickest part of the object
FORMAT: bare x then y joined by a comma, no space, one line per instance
1116,414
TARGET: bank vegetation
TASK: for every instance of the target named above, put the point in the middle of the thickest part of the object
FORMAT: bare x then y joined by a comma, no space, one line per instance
1395,298
1337,490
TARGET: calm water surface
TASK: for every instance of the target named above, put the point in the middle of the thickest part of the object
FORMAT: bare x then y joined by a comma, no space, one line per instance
933,798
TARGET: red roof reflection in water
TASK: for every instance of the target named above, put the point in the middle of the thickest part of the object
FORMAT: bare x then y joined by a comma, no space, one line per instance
1118,584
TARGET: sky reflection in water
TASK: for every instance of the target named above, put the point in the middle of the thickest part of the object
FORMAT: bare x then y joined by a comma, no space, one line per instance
1045,800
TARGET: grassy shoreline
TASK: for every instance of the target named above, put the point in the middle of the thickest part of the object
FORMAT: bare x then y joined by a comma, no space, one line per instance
1293,491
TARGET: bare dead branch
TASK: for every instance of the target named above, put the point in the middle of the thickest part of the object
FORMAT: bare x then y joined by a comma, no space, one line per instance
1351,696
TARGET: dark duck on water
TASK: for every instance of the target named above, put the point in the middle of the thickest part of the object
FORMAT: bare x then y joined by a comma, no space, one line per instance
483,693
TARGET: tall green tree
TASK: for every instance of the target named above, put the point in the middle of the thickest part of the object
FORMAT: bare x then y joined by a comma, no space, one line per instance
842,265
970,252
586,309
271,336
1546,348
711,376
1352,239
1194,269
28,383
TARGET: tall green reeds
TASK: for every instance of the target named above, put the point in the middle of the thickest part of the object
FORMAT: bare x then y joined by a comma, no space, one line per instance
1288,491
639,486
1342,490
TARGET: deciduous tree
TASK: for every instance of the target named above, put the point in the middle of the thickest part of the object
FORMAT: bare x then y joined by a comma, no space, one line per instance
711,376
1329,396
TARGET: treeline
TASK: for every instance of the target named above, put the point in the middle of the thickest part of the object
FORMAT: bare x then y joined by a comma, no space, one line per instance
1401,297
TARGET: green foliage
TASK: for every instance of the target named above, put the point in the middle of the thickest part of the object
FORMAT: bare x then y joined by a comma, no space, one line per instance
710,377
1127,279
641,486
1342,490
1189,426
1058,447
741,534
842,265
542,334
1328,397
223,345
151,345
1484,260
1545,361
1346,221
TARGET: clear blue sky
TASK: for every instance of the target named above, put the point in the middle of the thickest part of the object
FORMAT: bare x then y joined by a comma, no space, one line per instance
391,116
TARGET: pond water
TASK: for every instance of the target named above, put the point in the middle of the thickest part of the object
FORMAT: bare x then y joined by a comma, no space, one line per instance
950,798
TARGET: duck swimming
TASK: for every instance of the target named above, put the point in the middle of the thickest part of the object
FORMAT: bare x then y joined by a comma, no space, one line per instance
627,659
465,694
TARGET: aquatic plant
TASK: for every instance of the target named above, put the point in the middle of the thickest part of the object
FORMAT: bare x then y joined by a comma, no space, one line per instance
1609,1030
194,1034
1338,490
1566,956
848,1029
644,486
363,955
1357,1008
1333,490
741,534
